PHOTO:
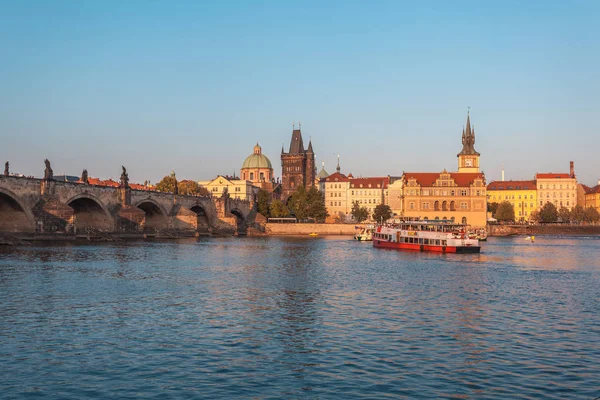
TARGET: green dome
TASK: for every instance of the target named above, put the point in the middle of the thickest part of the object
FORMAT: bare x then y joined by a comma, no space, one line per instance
257,160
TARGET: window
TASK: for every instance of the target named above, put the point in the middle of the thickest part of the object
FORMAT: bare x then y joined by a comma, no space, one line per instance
262,176
251,176
412,205
426,205
463,205
463,192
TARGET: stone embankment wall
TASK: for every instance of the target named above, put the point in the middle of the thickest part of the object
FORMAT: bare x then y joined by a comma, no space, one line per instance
543,229
305,229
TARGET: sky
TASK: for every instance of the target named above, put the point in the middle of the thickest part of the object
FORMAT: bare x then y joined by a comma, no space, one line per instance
191,86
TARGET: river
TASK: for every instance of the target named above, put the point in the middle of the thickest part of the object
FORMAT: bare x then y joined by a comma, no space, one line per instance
309,318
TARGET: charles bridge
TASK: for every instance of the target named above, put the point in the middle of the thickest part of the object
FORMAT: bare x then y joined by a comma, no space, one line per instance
31,207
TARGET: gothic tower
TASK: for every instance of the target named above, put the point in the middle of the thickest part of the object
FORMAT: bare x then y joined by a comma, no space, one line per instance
297,166
468,158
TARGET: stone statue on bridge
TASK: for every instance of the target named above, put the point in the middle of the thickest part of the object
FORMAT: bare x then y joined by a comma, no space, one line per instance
6,173
124,178
84,177
175,187
48,173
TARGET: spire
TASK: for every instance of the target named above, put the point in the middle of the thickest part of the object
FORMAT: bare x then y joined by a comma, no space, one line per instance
310,149
468,138
296,144
338,164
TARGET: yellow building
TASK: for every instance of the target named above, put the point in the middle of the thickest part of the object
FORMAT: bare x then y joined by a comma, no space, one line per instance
559,189
521,194
458,196
237,188
592,197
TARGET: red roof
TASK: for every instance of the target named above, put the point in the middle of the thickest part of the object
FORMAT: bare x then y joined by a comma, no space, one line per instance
370,182
429,178
336,177
589,190
512,185
551,175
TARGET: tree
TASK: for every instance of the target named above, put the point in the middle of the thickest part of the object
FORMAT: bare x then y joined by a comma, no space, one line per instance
591,214
534,216
564,214
505,212
382,212
191,188
548,213
298,203
316,205
278,209
262,200
359,213
578,214
167,184
492,207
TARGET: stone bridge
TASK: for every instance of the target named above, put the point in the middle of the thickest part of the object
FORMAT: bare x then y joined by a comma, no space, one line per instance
39,206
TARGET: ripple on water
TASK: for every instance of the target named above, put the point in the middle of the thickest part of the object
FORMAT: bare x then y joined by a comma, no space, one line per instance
274,318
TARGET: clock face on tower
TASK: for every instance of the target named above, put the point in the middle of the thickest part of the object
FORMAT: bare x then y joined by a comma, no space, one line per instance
468,162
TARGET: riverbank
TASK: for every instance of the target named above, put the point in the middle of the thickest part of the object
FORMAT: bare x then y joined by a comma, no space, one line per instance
307,229
543,229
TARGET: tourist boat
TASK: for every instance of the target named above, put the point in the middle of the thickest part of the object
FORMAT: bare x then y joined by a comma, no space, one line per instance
479,234
365,234
436,236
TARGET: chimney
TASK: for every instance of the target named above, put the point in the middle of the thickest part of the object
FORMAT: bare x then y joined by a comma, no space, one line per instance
572,169
502,172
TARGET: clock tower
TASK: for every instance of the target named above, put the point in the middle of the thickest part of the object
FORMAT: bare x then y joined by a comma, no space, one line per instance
468,158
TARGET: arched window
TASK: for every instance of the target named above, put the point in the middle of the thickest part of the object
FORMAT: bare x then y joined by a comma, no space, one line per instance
444,206
262,176
464,220
251,176
452,206
436,206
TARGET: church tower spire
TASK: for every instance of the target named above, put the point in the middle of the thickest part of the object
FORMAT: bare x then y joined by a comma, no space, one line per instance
468,158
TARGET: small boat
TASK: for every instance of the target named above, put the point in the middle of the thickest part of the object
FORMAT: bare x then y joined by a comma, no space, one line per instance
434,236
313,234
365,234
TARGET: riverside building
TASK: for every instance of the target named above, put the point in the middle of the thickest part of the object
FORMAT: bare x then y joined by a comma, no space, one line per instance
458,196
521,194
557,188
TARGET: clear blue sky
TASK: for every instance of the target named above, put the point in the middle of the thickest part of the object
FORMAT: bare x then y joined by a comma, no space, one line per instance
191,86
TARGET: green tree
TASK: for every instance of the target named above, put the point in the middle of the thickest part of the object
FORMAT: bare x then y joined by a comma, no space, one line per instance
382,212
578,214
278,209
359,213
564,214
316,205
262,200
548,213
167,184
492,207
505,212
191,188
591,214
298,203
534,216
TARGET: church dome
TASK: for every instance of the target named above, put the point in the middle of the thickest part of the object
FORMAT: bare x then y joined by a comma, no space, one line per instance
257,160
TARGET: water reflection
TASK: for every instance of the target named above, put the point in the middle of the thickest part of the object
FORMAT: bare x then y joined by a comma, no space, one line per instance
297,318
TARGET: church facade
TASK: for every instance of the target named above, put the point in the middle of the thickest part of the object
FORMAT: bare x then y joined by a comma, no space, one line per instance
297,166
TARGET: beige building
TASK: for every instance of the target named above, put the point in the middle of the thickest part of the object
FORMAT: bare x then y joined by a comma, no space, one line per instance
395,195
368,192
334,189
237,188
592,197
458,196
557,188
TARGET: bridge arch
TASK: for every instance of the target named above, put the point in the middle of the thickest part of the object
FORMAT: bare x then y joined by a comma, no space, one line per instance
202,221
15,216
90,213
242,225
156,215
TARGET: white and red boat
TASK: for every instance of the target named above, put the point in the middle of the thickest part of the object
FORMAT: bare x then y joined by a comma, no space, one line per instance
437,236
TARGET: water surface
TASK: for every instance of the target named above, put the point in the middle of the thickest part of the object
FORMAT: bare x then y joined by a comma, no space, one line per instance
314,318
